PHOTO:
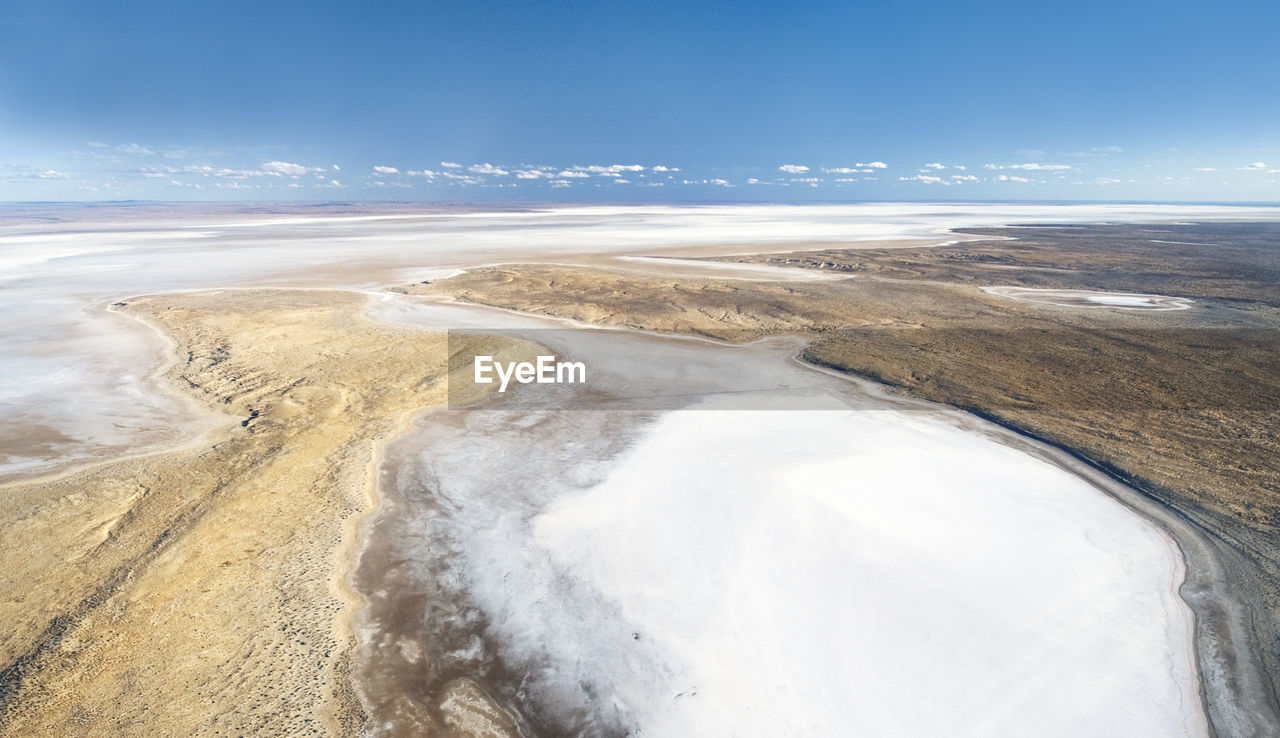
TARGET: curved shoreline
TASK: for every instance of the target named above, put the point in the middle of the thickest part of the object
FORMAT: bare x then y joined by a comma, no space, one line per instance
1232,685
1231,681
1188,564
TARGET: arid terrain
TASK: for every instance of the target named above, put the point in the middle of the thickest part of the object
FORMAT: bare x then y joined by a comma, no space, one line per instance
209,587
1180,404
200,589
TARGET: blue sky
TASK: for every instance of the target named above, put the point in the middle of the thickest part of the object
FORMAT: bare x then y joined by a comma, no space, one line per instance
591,101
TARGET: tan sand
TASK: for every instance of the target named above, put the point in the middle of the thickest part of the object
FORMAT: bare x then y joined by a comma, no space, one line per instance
201,589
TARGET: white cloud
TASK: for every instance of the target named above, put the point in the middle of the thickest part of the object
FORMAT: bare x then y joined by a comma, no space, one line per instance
806,179
19,171
97,145
1253,167
269,169
285,167
450,165
661,168
964,178
1008,178
461,179
570,173
1106,180
533,174
1029,153
873,165
133,148
927,179
935,166
612,170
793,168
1031,167
222,173
487,168
753,180
386,170
1107,149
1206,169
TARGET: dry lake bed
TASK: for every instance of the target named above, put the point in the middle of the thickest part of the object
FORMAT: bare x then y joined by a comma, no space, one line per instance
251,483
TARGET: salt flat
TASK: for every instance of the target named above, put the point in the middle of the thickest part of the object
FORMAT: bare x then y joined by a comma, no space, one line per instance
873,573
741,542
765,550
1090,298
